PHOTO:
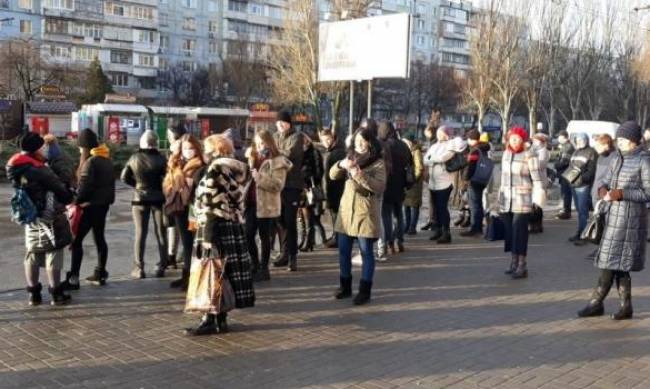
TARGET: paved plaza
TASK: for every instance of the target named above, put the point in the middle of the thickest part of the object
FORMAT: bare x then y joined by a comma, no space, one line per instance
440,317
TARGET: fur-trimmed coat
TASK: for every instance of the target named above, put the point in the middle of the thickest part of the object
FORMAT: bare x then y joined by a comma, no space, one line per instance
269,183
221,193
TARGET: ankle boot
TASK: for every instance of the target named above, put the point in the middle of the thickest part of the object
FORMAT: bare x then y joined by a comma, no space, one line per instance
293,263
595,306
460,219
445,237
437,233
345,290
364,293
282,261
35,297
624,286
71,282
513,265
181,282
98,278
58,297
262,274
171,262
207,326
222,322
522,268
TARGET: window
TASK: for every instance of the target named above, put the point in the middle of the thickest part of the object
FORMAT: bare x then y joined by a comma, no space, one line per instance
25,4
164,42
146,60
56,26
256,9
212,6
213,26
119,56
189,66
4,4
237,6
145,36
85,53
60,4
189,45
420,40
115,9
87,29
119,79
189,24
164,64
143,13
449,12
164,19
147,82
189,3
459,29
420,24
455,43
213,47
26,26
60,52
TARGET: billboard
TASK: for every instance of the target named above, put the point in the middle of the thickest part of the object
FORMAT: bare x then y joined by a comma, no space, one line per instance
365,49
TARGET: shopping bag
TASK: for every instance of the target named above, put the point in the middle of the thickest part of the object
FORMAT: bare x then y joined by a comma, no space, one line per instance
74,212
495,229
208,290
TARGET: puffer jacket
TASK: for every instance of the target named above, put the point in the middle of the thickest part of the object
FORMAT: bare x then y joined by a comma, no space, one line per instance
291,146
63,167
602,166
97,180
413,196
585,159
145,171
270,180
221,193
359,212
623,245
435,158
564,159
521,183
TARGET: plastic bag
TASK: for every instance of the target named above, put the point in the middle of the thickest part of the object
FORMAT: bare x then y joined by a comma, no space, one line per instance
208,291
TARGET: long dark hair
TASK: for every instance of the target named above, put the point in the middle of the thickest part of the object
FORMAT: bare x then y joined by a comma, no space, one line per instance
374,148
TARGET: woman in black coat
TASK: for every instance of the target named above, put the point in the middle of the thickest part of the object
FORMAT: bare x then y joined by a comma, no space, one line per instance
626,188
312,170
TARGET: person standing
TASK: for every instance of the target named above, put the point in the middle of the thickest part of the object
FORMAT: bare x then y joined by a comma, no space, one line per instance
312,170
219,208
413,197
431,222
184,171
582,172
521,187
49,194
626,188
58,161
174,134
562,163
478,151
144,172
540,148
335,152
290,143
359,213
95,194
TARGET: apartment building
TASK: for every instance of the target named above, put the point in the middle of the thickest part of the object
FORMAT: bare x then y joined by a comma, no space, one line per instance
20,19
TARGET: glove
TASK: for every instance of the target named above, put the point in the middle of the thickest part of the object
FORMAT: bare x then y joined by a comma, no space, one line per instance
602,192
616,194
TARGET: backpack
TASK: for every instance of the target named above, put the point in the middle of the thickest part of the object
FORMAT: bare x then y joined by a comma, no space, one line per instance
484,169
456,163
23,210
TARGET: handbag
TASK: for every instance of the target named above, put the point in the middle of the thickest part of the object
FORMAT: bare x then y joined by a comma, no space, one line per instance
456,163
208,290
74,213
572,174
495,229
315,194
594,231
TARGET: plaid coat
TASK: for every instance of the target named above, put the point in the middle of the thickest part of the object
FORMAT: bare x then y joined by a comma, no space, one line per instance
522,183
623,244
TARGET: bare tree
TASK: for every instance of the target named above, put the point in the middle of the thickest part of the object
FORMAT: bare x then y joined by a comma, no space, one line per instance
242,77
188,87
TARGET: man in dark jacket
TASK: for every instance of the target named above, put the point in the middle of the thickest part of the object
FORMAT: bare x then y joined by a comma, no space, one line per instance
392,203
475,191
335,152
584,161
145,172
566,151
27,170
290,143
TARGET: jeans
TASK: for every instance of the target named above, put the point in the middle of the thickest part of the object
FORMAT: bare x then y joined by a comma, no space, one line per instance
345,256
288,229
93,218
267,229
250,215
181,220
582,200
411,216
441,205
141,215
516,233
566,192
475,194
388,210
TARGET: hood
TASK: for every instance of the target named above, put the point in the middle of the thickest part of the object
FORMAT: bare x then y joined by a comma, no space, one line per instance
583,137
238,167
19,163
101,151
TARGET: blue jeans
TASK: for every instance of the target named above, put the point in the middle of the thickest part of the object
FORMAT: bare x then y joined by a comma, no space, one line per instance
582,199
566,193
476,206
345,256
388,210
411,216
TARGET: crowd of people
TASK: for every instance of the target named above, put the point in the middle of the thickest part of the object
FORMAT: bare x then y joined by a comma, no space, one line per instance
220,196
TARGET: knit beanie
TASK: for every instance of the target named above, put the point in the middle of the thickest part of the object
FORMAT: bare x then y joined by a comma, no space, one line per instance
149,140
87,139
284,116
31,142
631,131
520,131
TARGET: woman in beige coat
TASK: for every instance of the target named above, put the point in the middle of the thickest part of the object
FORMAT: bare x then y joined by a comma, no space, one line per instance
360,210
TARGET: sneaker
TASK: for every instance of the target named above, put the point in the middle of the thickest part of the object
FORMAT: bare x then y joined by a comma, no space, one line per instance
381,257
357,260
563,215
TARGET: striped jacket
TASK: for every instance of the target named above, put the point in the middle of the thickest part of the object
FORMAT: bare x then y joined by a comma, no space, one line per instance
522,183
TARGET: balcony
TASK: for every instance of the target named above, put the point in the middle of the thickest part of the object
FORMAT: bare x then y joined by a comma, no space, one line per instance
145,71
117,67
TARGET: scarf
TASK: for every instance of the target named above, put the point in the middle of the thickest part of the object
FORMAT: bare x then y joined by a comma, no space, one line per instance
101,151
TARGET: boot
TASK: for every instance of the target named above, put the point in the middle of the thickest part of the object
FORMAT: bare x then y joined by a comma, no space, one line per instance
71,282
282,261
391,249
437,233
98,278
513,266
345,290
467,220
460,219
563,215
58,297
207,326
331,243
222,323
522,268
171,262
364,293
595,306
445,238
427,226
181,282
35,295
624,286
262,274
293,263
400,247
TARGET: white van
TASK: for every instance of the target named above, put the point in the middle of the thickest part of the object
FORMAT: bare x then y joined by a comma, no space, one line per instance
591,128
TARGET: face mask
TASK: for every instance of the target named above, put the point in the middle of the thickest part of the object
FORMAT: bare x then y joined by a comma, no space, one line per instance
188,154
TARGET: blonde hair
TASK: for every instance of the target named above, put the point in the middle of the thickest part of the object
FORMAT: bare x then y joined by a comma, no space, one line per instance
221,146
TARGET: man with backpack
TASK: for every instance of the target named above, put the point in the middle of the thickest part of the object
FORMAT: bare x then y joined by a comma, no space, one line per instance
39,204
478,174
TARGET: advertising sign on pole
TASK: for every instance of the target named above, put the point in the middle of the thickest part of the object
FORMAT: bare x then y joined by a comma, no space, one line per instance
40,125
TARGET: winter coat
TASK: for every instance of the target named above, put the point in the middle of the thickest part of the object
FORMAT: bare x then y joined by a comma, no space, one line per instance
312,167
181,181
64,168
97,180
271,177
564,159
602,166
359,212
221,193
400,160
623,244
145,171
543,157
435,158
473,157
586,160
334,188
521,183
291,146
413,196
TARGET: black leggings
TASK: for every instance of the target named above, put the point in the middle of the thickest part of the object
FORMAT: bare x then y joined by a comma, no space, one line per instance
187,237
252,225
267,228
93,218
313,214
516,233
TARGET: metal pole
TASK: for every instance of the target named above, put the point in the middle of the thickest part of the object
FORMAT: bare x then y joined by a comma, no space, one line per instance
351,107
369,98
